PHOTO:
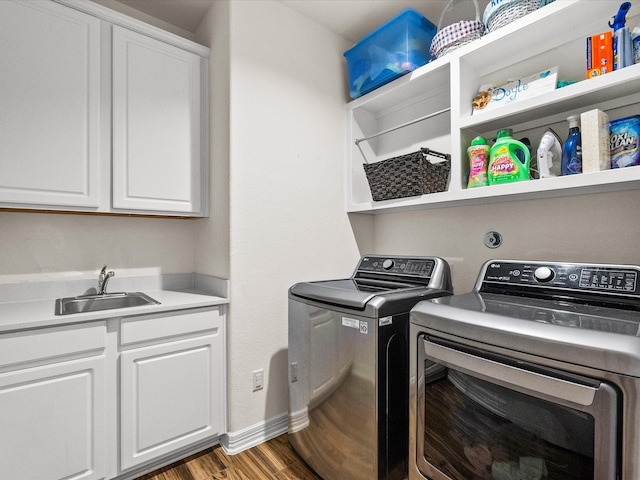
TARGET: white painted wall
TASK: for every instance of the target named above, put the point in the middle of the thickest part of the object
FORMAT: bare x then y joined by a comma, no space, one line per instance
586,228
35,243
212,237
132,12
287,223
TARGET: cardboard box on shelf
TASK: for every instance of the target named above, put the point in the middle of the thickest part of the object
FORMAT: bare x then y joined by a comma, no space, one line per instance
599,54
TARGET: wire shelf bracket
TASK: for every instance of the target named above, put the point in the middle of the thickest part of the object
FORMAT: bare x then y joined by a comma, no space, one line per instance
358,141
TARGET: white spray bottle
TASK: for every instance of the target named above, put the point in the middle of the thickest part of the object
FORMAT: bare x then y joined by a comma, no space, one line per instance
550,149
622,47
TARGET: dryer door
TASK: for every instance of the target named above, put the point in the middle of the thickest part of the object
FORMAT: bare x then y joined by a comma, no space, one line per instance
481,415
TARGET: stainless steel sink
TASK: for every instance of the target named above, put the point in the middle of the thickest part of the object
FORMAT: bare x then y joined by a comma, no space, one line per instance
107,301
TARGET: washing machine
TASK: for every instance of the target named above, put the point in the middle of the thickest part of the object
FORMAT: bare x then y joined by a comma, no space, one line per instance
348,365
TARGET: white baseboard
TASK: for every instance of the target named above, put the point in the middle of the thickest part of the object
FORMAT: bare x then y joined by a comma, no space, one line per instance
231,443
236,442
168,459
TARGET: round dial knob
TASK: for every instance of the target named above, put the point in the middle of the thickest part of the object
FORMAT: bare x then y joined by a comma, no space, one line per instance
544,274
388,264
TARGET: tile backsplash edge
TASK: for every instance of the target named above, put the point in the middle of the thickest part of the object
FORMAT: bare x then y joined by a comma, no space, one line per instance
51,289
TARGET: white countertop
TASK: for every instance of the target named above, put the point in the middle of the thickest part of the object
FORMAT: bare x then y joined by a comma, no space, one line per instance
41,313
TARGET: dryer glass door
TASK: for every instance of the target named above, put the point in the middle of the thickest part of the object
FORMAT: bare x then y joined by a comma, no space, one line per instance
484,417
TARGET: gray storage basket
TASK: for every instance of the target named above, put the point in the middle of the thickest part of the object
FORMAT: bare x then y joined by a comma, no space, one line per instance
408,175
501,14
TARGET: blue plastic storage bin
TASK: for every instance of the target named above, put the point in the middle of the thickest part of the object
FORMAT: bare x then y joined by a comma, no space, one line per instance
396,47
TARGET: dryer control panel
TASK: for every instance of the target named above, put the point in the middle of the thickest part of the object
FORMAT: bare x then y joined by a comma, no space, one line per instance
577,277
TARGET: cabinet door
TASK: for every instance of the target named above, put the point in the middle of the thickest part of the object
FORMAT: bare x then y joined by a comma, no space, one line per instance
170,397
156,125
49,105
52,422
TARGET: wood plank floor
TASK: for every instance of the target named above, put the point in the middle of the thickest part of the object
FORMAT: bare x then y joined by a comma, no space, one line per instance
272,460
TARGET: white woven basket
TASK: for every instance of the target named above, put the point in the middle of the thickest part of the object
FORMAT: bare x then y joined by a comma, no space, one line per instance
502,12
456,35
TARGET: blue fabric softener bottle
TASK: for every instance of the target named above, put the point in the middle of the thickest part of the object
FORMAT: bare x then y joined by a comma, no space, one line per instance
572,150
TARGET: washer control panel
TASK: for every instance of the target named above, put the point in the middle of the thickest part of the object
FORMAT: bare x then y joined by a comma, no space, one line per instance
573,276
403,266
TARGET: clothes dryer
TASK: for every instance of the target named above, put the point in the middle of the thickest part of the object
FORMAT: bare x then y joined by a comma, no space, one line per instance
533,374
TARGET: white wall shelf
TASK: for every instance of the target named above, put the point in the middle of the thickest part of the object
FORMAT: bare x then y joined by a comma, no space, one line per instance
530,44
617,87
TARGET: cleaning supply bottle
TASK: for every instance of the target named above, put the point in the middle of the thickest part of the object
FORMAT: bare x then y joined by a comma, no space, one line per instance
508,159
550,149
572,150
622,46
478,162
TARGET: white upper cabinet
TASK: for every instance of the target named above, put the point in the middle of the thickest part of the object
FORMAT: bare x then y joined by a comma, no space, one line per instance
157,112
99,112
49,105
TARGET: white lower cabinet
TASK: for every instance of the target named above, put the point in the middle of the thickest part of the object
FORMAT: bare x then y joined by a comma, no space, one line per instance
149,387
172,392
52,403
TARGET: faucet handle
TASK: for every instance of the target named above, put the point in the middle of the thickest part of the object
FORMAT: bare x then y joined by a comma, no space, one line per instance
103,279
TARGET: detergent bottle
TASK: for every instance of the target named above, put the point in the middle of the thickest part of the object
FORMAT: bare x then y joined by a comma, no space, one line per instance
478,161
572,150
508,159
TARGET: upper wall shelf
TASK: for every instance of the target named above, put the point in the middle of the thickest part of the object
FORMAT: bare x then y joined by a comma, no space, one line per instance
532,43
615,87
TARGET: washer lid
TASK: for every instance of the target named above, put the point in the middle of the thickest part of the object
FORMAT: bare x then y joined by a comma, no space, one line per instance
350,292
381,285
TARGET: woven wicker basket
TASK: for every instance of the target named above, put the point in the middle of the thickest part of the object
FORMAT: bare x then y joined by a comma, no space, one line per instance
408,175
502,12
456,35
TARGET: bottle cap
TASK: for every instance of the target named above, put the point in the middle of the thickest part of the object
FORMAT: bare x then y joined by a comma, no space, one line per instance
505,132
478,141
574,121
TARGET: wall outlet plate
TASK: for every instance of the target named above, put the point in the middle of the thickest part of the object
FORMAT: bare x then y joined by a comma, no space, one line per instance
258,380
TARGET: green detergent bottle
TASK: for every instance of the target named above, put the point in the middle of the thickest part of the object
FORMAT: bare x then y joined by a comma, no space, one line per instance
508,159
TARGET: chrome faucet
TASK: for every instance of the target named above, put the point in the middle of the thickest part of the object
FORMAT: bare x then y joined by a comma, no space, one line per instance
103,279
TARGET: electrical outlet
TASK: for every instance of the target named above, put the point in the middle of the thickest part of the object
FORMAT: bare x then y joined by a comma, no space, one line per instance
258,380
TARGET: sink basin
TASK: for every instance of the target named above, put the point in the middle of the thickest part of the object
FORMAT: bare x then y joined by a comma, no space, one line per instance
108,301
